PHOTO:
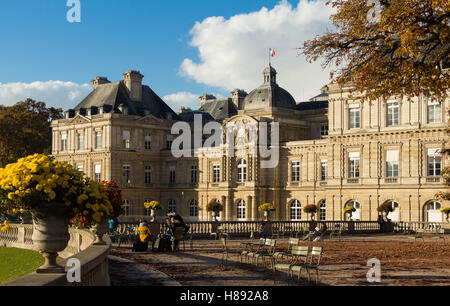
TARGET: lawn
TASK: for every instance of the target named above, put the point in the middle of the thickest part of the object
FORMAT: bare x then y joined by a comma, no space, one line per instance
15,263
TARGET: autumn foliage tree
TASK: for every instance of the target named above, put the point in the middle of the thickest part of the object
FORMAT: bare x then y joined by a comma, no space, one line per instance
25,130
387,48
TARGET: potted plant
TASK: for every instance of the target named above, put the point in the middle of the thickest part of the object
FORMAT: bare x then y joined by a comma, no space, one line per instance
266,208
54,192
446,211
348,211
215,207
114,196
385,209
155,207
311,209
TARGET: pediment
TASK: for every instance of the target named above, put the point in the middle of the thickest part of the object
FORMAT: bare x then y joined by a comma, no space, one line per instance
80,119
241,119
150,119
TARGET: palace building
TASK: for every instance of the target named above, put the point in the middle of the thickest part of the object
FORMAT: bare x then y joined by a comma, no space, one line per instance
335,150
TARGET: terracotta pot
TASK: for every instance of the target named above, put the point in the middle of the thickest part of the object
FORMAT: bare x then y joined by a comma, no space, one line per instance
50,234
99,230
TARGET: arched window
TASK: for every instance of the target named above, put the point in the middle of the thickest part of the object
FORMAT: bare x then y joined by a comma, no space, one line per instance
127,207
356,215
323,210
394,215
193,208
241,210
296,210
432,212
242,171
172,206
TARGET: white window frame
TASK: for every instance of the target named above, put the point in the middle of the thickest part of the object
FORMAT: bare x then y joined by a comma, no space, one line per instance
295,210
80,141
126,173
194,174
241,212
354,116
323,210
434,112
193,208
127,207
354,166
392,163
434,162
64,142
295,171
98,172
172,175
98,140
242,171
172,205
148,174
323,170
126,136
392,113
148,142
216,173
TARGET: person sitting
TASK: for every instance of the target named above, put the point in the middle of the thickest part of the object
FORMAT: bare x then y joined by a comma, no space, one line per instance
145,235
178,231
319,233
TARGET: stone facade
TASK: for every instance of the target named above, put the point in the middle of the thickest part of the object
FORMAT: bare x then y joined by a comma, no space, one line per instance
335,150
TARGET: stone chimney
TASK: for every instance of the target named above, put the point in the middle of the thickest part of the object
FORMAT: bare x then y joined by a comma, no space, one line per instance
205,98
133,81
99,81
238,96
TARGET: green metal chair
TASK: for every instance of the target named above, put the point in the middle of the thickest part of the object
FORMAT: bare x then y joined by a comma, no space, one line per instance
252,252
418,235
247,248
292,242
298,257
440,235
336,232
266,251
226,251
315,253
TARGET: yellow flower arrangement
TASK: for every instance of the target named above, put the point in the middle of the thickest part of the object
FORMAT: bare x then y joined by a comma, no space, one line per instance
349,210
6,227
445,210
155,205
266,207
38,179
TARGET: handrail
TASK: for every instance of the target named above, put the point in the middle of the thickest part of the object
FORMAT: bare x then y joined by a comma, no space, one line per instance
93,258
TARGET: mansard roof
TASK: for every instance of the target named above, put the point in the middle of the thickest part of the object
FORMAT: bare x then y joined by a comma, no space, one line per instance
220,109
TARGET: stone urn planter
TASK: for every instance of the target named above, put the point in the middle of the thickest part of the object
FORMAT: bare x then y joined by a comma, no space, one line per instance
215,215
50,234
266,215
99,230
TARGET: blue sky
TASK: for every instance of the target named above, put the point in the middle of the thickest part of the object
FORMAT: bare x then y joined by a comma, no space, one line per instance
159,38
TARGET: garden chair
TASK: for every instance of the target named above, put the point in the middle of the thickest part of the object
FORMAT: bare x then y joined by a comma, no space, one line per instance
292,242
226,251
251,252
336,232
247,247
418,235
266,252
440,235
315,253
301,232
216,234
298,257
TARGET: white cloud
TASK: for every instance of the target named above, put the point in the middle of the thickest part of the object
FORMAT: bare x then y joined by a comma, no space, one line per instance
54,93
233,52
183,98
186,99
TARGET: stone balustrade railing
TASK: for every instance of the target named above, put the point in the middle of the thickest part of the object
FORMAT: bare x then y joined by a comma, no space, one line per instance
245,228
93,258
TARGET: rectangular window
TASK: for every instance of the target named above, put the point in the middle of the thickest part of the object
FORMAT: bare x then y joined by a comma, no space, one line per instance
148,174
169,141
354,116
434,112
98,140
98,173
127,207
353,163
216,173
392,113
295,171
324,130
126,169
392,163
324,170
126,139
80,168
80,138
194,174
434,162
148,142
171,175
63,142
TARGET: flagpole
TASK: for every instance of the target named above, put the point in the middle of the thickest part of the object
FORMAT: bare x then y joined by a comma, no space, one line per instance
270,60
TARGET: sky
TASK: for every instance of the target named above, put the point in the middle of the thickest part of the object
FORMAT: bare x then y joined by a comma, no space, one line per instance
183,48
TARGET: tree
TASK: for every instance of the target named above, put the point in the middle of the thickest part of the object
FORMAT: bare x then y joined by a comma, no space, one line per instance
25,130
387,48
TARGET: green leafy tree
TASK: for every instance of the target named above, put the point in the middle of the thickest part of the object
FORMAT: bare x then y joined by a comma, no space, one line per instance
386,48
25,130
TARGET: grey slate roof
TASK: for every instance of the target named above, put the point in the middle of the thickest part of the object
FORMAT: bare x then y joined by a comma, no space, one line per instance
310,105
116,94
269,95
188,116
220,109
